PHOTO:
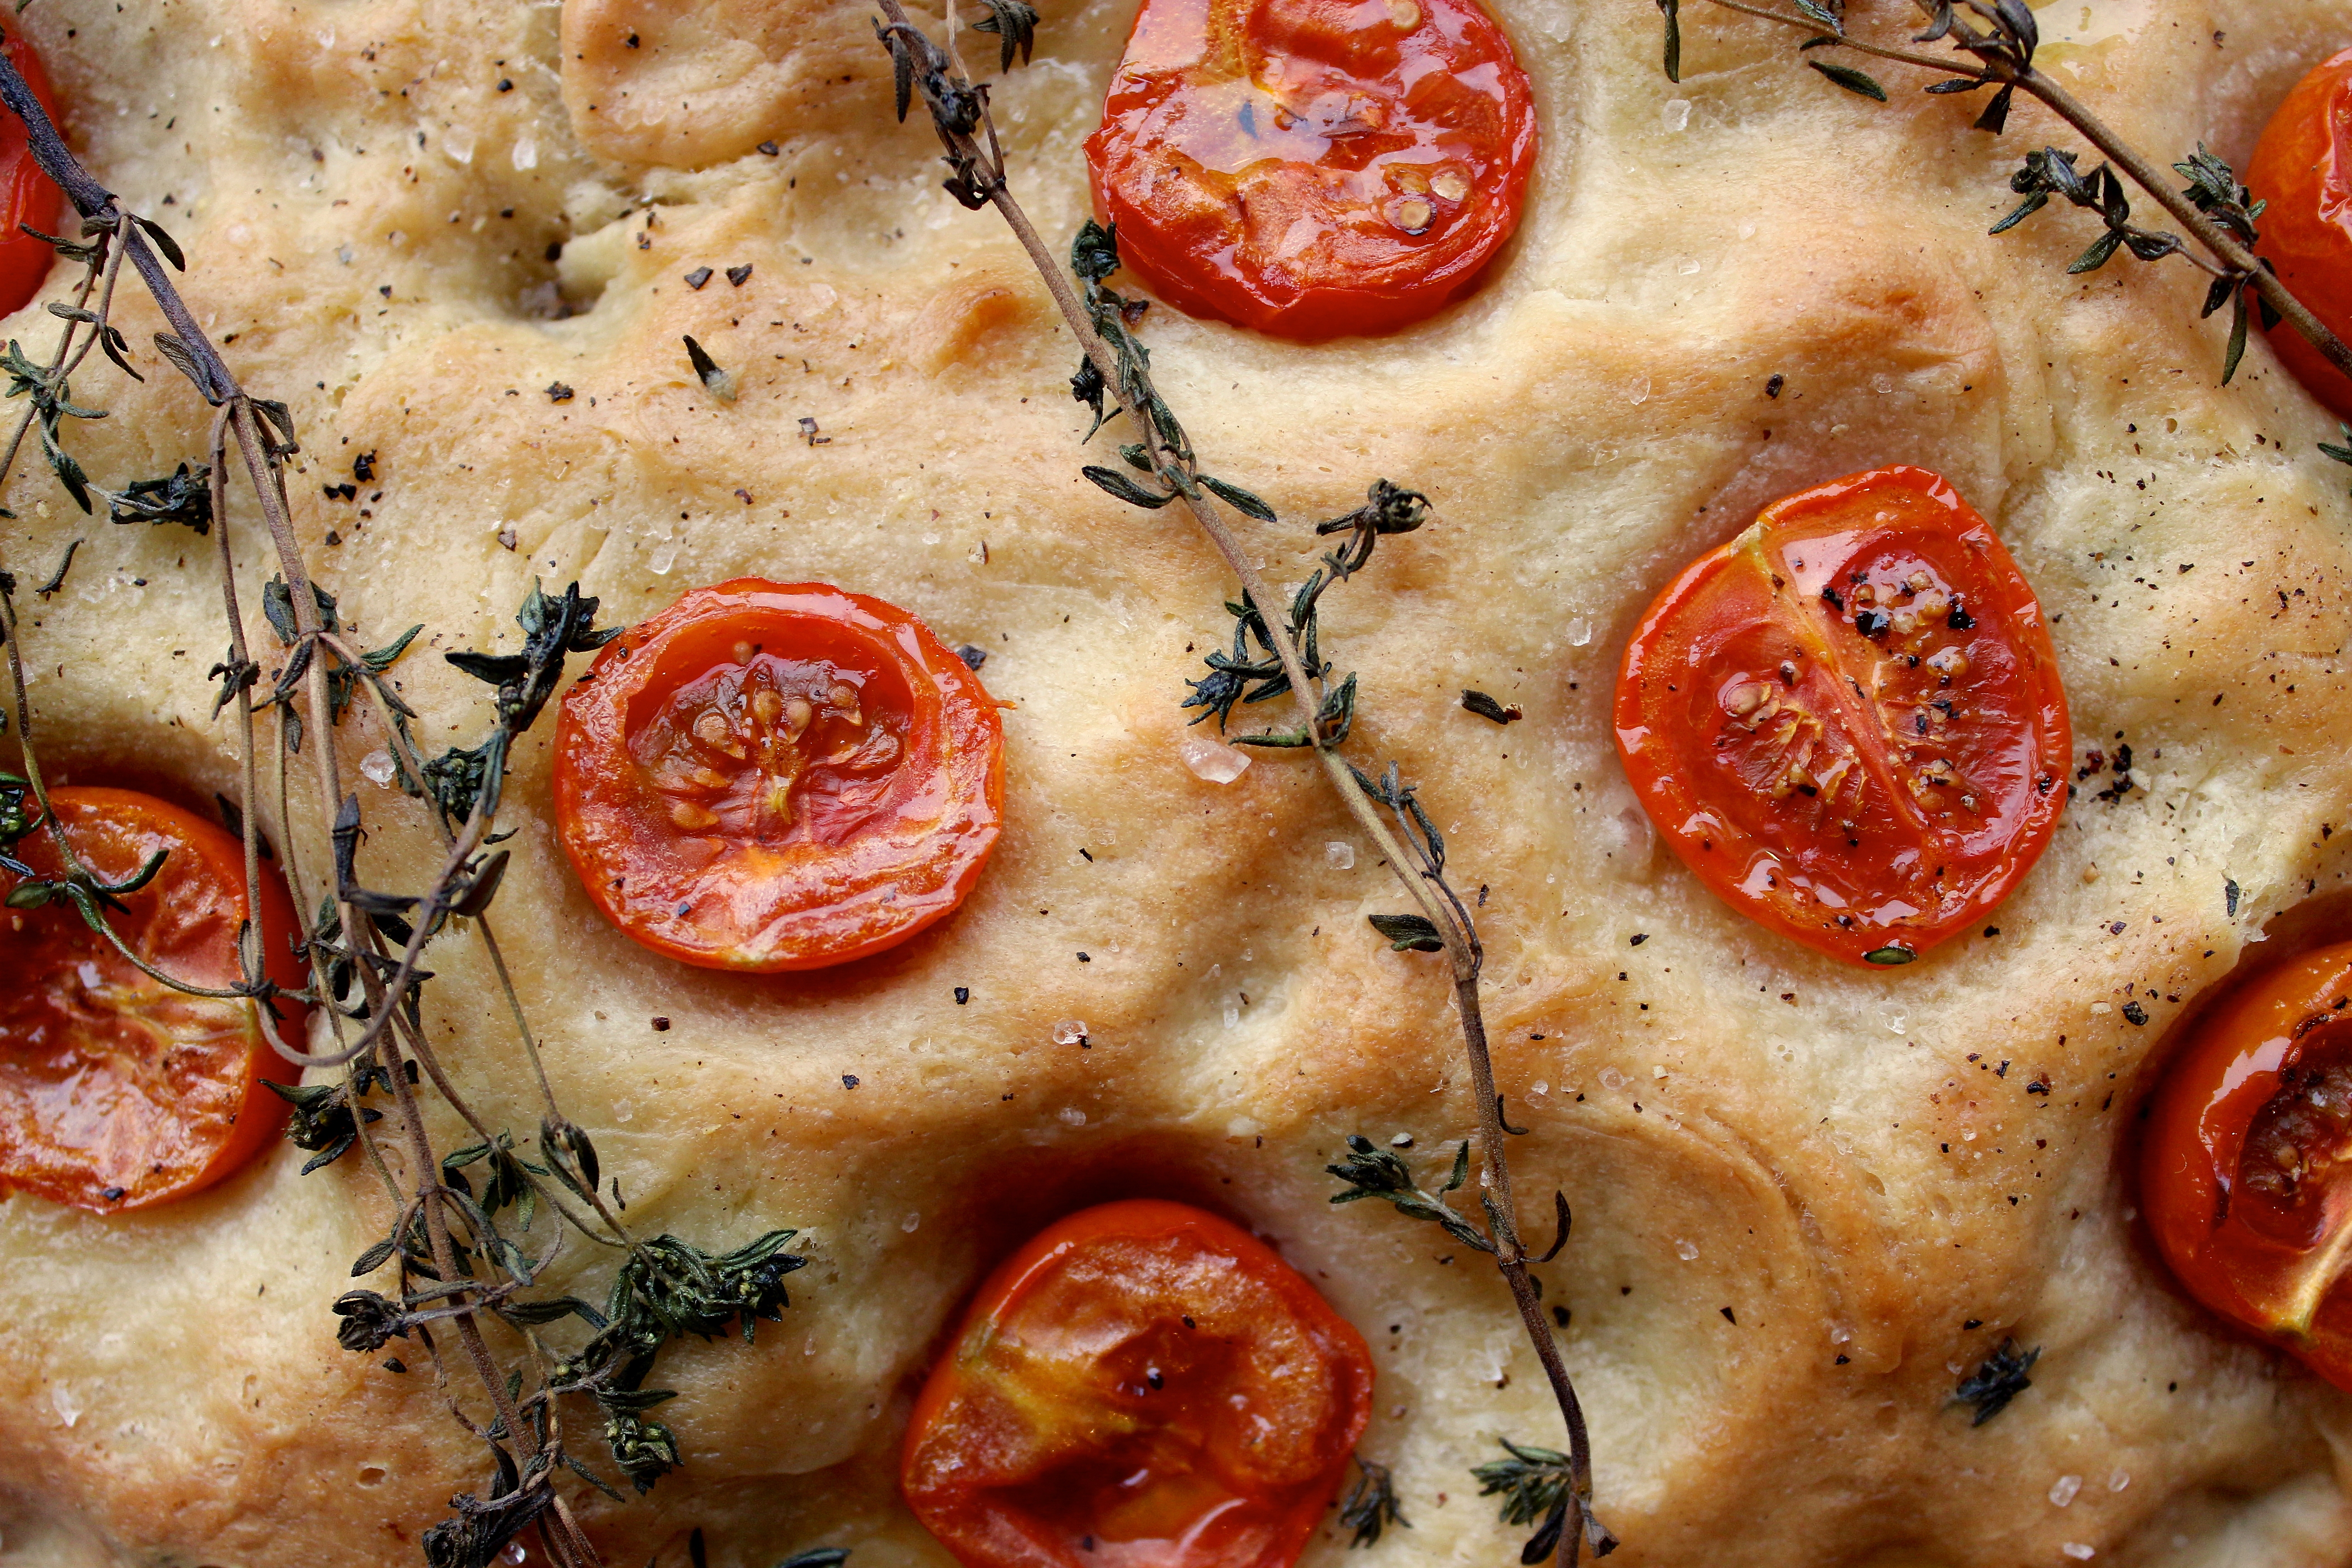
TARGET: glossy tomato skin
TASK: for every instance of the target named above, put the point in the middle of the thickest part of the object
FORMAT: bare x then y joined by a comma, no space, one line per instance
1848,721
26,195
1313,168
115,1093
2242,1168
1143,1384
2303,169
771,776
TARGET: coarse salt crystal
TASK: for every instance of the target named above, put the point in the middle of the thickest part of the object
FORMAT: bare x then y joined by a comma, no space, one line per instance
1213,760
2063,1490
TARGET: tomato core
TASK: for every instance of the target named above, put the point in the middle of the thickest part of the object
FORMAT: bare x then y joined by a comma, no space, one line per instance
1311,168
117,1092
2246,1174
1848,721
28,196
2301,1138
2303,169
1143,1386
769,776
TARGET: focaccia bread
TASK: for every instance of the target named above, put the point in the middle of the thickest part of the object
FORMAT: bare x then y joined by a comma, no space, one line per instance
1809,1198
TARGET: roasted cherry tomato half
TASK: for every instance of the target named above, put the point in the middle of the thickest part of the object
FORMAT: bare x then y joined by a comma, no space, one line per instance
2303,169
1144,1385
1848,721
769,776
1313,167
2246,1174
26,195
116,1092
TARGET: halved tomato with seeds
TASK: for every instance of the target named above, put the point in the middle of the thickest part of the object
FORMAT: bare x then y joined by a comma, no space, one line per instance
117,1091
1313,167
1848,721
1143,1386
28,196
2246,1174
770,776
2302,171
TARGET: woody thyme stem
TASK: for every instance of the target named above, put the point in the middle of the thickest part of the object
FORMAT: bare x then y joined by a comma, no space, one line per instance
1443,911
2236,259
262,457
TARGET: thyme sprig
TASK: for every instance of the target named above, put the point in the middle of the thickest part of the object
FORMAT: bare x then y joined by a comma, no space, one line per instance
1996,41
475,1227
1116,371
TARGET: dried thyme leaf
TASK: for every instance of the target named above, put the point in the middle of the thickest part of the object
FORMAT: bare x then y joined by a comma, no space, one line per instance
1370,1505
1999,1380
1015,24
1486,707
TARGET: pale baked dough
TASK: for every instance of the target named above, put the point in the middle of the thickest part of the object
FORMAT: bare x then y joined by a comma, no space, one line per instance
1739,1123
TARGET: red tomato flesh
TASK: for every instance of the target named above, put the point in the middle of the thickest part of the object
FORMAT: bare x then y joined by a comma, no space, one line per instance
117,1092
770,776
2246,1174
1311,168
2303,169
1143,1386
1848,721
26,195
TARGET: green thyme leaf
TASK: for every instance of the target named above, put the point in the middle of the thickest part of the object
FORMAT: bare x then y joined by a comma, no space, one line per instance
1851,80
2334,453
817,1557
1239,499
1124,488
2237,349
166,246
1995,118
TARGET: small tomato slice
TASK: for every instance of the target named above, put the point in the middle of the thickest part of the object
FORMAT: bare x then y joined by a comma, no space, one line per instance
117,1092
1143,1386
768,776
2246,1174
1313,167
2303,169
1848,721
26,195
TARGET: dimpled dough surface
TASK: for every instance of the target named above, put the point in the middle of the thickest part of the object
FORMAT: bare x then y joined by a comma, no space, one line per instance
370,210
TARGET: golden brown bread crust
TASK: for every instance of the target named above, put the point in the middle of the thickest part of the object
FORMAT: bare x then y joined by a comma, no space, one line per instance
1739,1123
